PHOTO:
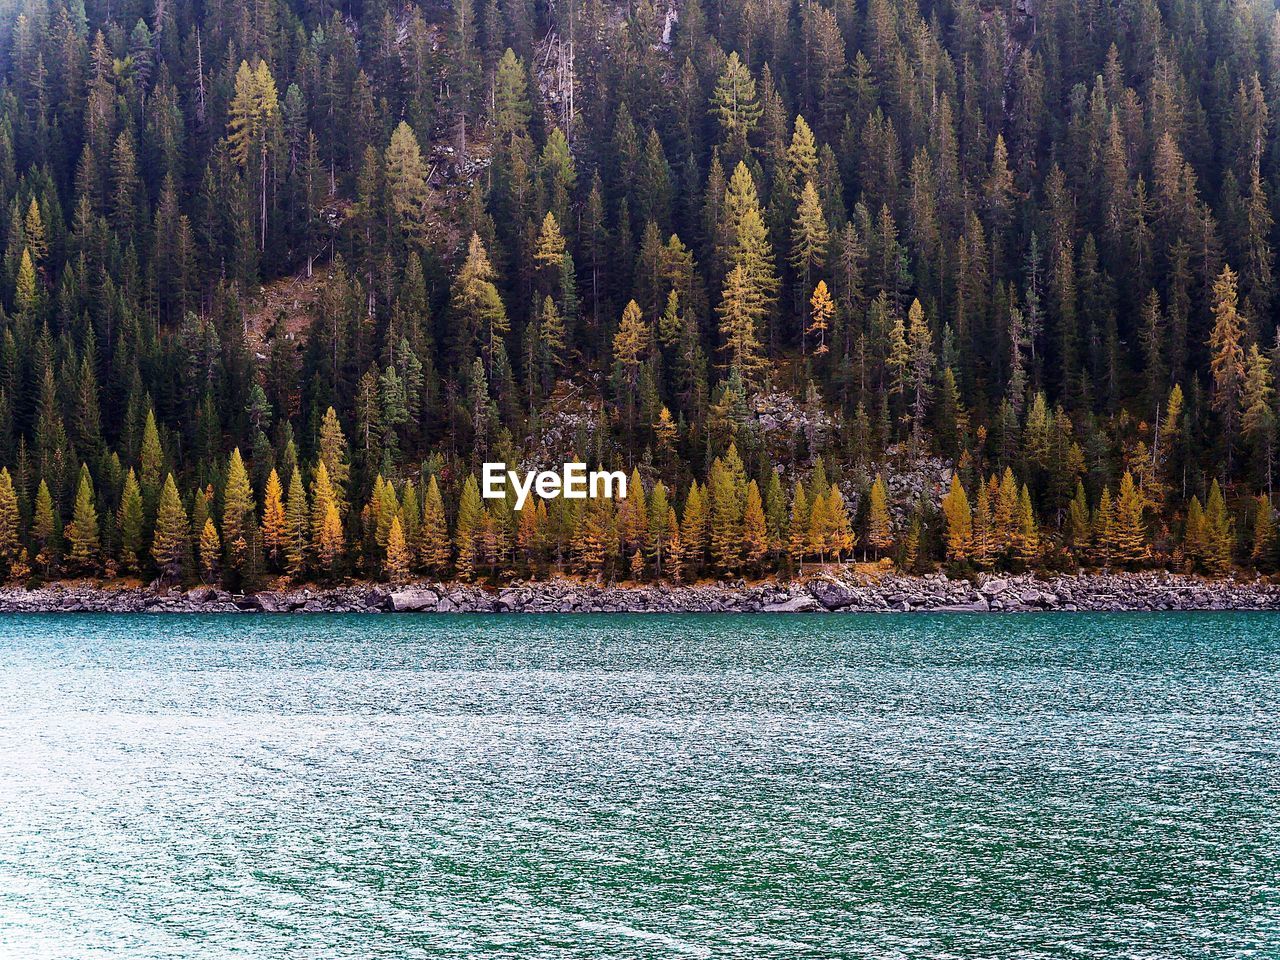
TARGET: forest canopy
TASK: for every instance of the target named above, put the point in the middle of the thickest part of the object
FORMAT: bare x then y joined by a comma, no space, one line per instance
989,285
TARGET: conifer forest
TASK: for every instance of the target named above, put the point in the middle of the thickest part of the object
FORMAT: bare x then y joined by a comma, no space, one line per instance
943,284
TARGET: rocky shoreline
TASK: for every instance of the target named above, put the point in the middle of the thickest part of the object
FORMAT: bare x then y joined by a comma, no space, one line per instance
825,592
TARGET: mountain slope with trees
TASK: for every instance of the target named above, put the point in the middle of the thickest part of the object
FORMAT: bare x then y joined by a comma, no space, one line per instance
1033,242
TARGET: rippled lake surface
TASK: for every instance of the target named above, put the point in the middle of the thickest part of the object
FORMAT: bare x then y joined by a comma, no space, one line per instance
612,786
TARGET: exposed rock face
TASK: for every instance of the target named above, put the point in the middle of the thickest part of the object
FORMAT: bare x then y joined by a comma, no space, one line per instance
833,592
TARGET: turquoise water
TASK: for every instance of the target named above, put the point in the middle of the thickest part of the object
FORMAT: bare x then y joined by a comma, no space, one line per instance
840,786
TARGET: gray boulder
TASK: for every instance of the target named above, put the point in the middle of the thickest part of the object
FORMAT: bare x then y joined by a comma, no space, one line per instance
832,594
413,599
794,605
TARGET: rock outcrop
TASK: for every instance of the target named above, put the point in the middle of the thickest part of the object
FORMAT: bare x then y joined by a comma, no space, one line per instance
827,592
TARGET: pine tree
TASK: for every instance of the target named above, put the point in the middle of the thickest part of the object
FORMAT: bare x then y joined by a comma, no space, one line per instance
919,365
755,535
323,500
1219,536
675,547
151,459
1127,537
275,522
1026,538
407,184
1257,409
1103,518
693,530
809,235
169,545
798,543
210,551
1194,536
479,315
333,455
879,530
26,295
397,562
1078,529
511,108
726,518
1264,532
842,539
633,513
83,531
1227,353
659,535
130,522
820,525
734,104
1006,509
984,538
740,311
550,250
44,529
822,308
297,527
467,530
630,344
591,538
529,536
10,519
329,545
959,520
433,535
252,117
237,514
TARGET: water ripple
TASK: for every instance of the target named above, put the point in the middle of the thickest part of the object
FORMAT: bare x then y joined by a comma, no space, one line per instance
767,787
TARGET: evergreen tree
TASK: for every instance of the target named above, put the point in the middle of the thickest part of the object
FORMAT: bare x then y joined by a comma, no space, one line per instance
1127,538
1227,362
1264,533
10,521
83,533
297,527
879,529
755,534
397,562
130,523
169,545
210,552
959,519
275,523
433,535
237,514
735,105
467,530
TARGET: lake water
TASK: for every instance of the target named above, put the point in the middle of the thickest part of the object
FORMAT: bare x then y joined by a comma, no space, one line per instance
614,786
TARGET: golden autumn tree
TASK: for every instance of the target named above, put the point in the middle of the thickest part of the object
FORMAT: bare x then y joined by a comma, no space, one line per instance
879,527
210,552
397,560
822,308
959,520
297,526
169,545
82,533
467,531
275,524
1126,534
433,534
755,535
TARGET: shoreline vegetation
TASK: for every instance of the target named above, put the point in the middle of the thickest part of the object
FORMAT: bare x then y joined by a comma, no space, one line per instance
828,590
968,287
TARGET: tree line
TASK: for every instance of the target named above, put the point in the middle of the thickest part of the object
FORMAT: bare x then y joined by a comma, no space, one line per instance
1034,244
